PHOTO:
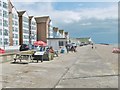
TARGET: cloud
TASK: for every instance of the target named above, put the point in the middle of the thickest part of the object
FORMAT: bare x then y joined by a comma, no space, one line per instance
85,24
100,13
68,16
78,21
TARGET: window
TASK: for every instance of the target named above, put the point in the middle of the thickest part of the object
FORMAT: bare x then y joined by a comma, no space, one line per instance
25,25
6,41
5,23
16,29
25,31
0,31
0,41
15,42
5,5
25,19
5,14
0,4
12,22
33,28
13,29
61,43
26,37
0,22
0,12
16,17
33,23
16,23
15,36
33,37
5,32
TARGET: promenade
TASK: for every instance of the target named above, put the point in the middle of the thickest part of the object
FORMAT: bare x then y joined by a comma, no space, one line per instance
87,68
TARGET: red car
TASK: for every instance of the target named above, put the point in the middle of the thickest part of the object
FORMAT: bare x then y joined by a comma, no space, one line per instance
2,51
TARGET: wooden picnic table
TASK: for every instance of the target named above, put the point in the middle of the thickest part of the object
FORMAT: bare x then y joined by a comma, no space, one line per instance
24,55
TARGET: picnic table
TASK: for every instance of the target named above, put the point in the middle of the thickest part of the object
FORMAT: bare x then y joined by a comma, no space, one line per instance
24,55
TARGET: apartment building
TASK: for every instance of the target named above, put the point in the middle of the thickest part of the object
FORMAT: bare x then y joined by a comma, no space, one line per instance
50,30
33,30
15,27
23,27
4,24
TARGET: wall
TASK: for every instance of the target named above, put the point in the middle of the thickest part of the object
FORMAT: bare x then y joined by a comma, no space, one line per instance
55,43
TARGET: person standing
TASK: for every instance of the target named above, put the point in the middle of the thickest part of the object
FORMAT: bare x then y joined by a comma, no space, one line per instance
51,53
92,45
67,48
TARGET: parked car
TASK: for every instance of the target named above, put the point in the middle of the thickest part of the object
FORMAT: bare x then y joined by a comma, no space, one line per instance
74,44
81,44
24,47
2,50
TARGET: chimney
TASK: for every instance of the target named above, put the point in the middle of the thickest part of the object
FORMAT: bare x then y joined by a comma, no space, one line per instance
42,28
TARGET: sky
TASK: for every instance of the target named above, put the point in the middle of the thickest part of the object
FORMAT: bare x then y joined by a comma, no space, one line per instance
98,20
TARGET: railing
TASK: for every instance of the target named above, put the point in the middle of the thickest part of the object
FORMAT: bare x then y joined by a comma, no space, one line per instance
7,57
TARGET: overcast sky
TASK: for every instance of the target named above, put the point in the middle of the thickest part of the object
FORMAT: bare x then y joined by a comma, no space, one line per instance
97,20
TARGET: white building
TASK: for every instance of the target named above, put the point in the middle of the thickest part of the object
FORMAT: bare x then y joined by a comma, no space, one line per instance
56,33
62,34
4,24
15,27
50,30
25,28
33,31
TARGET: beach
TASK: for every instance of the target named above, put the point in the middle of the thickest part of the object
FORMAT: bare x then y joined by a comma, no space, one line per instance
87,68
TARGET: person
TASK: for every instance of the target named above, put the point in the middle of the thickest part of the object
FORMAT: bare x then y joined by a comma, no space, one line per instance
51,52
73,49
67,48
92,45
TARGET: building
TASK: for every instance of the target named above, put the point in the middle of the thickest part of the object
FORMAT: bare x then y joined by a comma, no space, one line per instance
17,27
60,39
62,33
56,33
23,27
67,37
56,43
4,24
86,40
13,25
44,28
32,30
50,30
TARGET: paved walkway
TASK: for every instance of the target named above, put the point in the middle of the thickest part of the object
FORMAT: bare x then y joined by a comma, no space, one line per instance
83,69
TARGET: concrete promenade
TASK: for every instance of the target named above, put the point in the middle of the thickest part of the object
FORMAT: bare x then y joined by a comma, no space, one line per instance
87,68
